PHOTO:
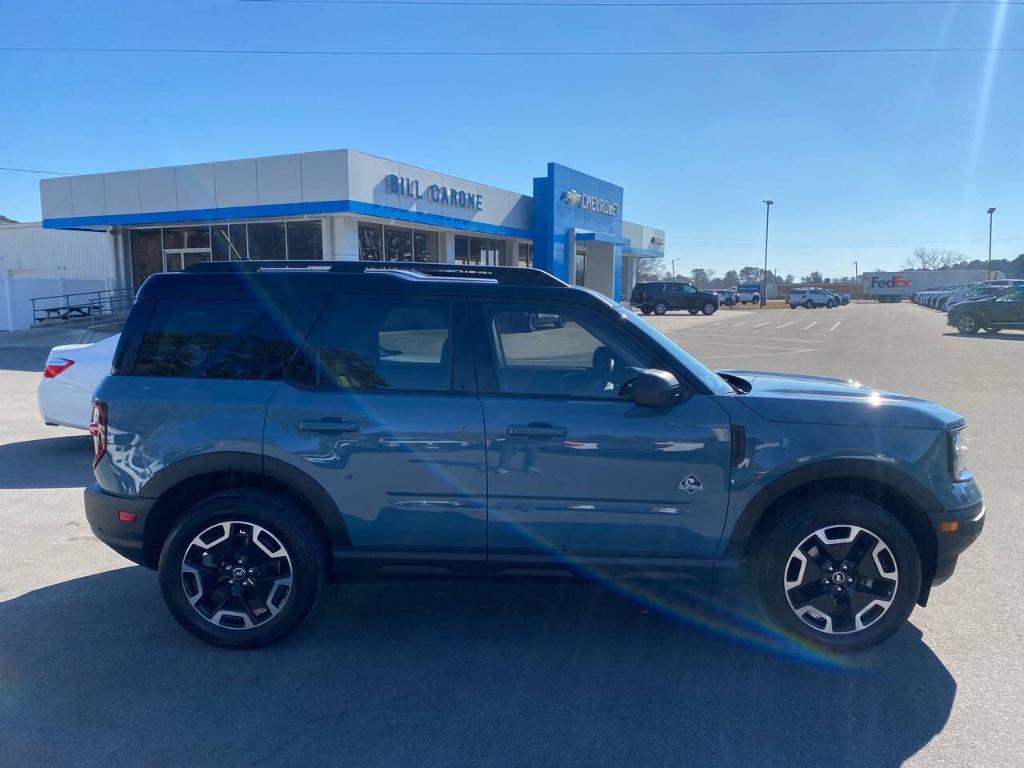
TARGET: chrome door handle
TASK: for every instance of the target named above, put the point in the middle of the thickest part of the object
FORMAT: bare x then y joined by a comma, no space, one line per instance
536,430
328,426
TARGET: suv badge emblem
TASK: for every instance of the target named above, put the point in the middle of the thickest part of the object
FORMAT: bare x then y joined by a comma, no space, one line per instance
691,484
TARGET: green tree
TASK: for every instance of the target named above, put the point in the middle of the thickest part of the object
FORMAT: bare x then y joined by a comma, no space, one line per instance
814,277
699,276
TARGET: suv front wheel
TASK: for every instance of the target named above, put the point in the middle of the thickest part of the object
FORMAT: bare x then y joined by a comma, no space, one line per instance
660,308
839,571
241,569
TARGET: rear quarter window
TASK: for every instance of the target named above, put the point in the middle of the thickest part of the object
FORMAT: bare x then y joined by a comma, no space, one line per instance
222,339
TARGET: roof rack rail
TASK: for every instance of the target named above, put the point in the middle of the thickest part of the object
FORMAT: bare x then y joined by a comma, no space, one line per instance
503,275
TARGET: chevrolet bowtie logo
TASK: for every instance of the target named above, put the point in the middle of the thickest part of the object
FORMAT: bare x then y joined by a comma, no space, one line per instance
571,197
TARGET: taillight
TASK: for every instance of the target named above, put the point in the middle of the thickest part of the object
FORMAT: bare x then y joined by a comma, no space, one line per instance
98,430
55,366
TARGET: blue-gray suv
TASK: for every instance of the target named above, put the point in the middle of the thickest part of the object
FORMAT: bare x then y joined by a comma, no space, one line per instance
270,427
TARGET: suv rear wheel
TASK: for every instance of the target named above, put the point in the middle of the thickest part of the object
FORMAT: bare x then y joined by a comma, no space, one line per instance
241,569
839,571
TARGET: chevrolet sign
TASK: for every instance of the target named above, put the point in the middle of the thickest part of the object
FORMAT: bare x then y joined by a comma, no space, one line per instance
590,202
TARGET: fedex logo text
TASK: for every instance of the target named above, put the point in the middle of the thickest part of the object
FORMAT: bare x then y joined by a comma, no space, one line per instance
896,281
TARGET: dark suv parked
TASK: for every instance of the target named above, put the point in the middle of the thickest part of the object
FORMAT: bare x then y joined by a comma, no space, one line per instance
993,313
661,297
269,427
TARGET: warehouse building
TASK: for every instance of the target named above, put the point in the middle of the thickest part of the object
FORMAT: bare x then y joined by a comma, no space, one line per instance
347,205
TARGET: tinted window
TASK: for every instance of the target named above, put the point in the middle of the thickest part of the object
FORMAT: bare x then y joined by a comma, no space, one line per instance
362,344
561,350
222,339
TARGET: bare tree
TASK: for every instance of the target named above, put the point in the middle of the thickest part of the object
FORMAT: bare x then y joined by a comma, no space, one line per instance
933,258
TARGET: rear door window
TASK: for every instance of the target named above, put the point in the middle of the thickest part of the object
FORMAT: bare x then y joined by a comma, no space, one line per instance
379,344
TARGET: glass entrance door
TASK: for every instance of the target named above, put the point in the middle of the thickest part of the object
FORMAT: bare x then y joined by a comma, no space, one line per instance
581,265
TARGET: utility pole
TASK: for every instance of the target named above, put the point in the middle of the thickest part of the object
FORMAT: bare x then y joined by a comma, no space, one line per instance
764,275
856,273
990,212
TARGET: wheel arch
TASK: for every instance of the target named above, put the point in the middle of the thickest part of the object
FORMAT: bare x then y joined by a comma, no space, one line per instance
178,487
900,495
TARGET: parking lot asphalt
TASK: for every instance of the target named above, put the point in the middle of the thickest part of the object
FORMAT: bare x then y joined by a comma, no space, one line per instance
93,670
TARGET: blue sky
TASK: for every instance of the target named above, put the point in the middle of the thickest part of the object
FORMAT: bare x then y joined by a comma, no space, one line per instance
865,156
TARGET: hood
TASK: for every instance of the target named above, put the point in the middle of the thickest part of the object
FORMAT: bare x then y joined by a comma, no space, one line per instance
802,399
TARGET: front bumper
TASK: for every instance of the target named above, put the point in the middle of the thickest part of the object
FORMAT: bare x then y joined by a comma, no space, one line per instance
955,531
103,509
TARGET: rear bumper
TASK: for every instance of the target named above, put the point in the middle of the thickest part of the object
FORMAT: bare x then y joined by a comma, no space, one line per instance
103,509
966,524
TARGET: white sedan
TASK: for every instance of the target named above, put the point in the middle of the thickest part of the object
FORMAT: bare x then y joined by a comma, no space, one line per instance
71,375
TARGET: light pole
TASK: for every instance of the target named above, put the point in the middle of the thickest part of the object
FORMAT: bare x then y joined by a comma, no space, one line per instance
990,212
764,275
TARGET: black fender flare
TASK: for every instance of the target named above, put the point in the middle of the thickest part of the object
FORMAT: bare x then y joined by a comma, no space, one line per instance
300,483
877,471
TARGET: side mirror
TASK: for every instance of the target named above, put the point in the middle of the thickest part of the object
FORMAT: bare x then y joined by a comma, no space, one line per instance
655,388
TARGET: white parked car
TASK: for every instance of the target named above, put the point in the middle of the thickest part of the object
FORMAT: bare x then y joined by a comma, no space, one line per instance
71,375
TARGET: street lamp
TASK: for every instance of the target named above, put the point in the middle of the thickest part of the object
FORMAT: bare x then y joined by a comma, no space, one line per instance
764,275
990,212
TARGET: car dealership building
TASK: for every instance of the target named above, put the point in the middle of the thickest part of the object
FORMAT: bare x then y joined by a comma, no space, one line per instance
347,205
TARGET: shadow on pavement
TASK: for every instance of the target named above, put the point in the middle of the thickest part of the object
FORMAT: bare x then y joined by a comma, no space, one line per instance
50,462
95,672
1001,336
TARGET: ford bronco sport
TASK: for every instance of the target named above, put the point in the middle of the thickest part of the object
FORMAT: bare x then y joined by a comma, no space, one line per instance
269,427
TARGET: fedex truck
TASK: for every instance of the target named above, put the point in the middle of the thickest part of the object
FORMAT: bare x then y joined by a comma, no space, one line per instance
896,286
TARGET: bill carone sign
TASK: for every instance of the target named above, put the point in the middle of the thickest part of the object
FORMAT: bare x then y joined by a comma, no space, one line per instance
404,186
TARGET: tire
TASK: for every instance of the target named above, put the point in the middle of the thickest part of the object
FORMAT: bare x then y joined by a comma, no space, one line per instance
967,324
837,526
830,304
646,310
993,330
692,311
756,299
793,306
808,304
708,309
292,581
660,308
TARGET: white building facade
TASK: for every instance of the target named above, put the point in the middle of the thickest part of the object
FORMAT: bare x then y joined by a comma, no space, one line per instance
347,205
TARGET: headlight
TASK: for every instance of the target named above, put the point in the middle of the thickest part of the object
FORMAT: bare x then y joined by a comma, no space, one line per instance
957,453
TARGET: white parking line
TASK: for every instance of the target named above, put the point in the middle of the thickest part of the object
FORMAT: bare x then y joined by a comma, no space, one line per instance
739,324
761,325
835,326
811,325
785,324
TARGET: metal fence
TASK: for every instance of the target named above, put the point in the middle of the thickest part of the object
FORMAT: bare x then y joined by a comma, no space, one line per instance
91,308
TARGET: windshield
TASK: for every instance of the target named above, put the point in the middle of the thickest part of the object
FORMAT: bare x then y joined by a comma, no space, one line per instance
702,373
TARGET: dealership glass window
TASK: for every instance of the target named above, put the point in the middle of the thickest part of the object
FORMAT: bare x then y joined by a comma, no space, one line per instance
371,243
147,254
397,244
267,240
525,255
425,246
490,253
229,242
305,240
462,250
186,237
